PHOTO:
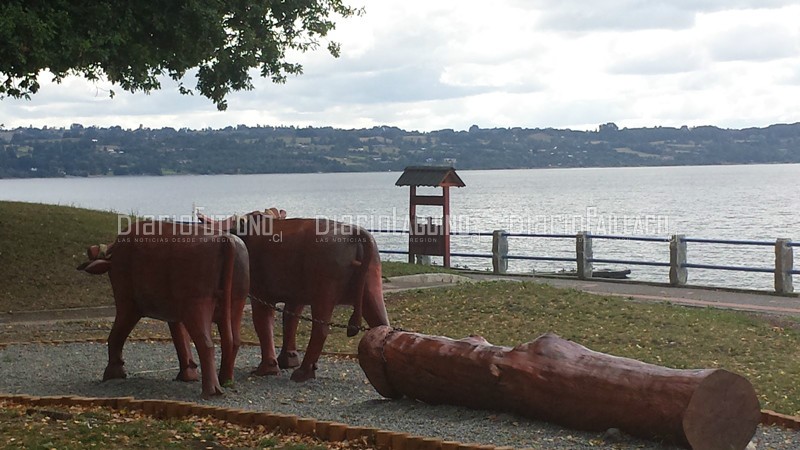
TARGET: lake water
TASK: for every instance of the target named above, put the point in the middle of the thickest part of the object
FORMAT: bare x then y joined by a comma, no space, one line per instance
757,202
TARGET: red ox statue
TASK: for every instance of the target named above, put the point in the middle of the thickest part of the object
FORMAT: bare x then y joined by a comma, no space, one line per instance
300,262
182,274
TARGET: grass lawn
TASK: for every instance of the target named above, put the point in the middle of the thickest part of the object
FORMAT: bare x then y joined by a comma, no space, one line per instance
396,269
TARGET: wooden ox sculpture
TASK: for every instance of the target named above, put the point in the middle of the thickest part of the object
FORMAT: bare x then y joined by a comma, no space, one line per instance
560,381
186,276
316,262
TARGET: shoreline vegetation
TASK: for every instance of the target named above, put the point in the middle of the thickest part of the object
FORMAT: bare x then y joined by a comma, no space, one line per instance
80,151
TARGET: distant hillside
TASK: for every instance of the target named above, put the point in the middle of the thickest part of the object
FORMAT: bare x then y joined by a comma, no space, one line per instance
80,151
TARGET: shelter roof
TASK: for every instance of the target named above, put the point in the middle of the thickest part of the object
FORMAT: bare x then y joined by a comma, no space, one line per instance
435,176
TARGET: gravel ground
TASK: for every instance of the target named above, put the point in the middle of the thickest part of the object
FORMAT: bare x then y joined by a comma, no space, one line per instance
340,393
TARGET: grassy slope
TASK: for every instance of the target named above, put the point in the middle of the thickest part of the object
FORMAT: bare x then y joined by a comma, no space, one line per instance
40,247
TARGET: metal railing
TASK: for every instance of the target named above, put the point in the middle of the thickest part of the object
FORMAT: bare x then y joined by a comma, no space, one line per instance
584,257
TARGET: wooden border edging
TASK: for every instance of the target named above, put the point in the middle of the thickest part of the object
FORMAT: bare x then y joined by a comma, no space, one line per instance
285,423
772,418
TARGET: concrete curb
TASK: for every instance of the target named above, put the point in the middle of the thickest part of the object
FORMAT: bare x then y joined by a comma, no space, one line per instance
300,424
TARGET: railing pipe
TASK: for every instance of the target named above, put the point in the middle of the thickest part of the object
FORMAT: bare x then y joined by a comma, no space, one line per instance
733,268
472,233
729,242
472,255
631,238
631,262
389,231
542,235
394,252
540,258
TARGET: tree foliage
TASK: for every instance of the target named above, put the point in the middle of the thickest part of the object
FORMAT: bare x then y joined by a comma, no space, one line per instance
132,44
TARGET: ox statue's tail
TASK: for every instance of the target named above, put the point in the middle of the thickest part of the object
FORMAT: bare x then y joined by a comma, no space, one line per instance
225,325
367,274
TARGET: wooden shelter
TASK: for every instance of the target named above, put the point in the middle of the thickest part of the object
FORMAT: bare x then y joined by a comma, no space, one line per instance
427,238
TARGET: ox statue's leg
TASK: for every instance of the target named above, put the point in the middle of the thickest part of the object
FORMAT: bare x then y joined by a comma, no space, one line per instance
126,318
231,349
264,322
198,323
186,364
321,311
288,358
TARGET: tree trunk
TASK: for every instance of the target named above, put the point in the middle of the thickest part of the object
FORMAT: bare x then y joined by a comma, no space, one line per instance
556,380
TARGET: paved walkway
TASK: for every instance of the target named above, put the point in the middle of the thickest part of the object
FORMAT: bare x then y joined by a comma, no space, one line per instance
691,296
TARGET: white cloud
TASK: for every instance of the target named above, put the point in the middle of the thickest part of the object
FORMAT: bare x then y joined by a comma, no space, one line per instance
664,53
536,63
615,15
753,36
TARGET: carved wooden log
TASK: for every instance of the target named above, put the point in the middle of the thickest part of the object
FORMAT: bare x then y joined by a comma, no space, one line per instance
560,381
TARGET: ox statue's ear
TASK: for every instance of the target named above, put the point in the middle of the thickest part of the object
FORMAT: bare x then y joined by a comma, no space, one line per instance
96,267
202,217
93,252
276,213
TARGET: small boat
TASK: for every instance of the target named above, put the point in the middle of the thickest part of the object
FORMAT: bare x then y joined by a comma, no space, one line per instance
620,274
616,274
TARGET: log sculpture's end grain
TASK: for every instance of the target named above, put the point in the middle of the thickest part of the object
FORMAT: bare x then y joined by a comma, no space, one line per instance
723,412
371,360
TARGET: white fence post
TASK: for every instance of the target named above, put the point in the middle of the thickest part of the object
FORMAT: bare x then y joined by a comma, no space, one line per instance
583,254
784,262
678,274
499,252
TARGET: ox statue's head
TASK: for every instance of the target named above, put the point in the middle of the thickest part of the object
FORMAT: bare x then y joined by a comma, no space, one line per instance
99,259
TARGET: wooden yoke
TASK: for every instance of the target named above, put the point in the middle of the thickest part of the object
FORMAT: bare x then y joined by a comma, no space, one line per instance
557,380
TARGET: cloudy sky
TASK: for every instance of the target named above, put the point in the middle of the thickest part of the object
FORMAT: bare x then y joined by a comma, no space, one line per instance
427,65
